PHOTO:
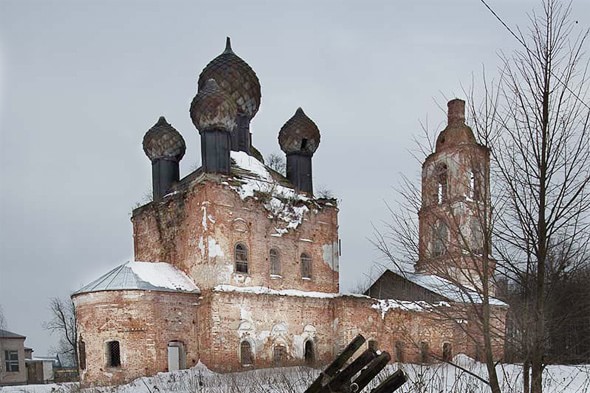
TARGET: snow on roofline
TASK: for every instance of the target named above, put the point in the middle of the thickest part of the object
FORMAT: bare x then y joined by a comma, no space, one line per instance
282,292
447,289
148,276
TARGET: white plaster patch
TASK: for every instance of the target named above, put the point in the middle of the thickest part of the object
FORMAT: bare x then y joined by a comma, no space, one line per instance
331,255
214,249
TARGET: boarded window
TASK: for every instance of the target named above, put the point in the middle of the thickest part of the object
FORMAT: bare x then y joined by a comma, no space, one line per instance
372,345
440,236
305,266
477,237
442,186
113,354
275,262
447,352
424,352
279,355
241,256
82,354
399,351
11,361
309,352
245,353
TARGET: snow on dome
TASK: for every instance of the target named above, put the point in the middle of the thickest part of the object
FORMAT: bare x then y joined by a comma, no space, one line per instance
148,276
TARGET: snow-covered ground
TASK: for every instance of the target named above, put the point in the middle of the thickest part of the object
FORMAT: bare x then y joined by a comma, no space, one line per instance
439,378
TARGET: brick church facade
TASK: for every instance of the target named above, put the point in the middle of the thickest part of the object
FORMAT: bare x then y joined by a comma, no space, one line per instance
236,266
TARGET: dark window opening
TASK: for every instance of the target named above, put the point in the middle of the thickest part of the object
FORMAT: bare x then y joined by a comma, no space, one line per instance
279,355
275,262
303,143
399,351
11,361
113,354
82,354
424,352
442,187
241,256
305,266
309,352
372,344
447,352
439,239
245,353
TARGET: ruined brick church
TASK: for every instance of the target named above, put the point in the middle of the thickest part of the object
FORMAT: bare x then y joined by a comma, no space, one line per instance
236,265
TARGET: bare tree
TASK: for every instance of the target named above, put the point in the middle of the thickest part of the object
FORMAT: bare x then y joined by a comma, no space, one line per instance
277,162
542,159
2,318
63,323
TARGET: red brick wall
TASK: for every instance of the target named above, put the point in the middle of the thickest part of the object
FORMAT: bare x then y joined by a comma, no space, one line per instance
197,230
143,322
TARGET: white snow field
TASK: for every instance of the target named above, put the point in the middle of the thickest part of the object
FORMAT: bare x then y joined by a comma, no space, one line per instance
437,378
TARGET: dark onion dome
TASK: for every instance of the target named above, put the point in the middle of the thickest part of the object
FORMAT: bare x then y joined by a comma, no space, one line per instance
299,135
456,131
163,141
212,108
236,78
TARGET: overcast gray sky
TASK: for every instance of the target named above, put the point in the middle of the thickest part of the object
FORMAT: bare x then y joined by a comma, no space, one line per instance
82,81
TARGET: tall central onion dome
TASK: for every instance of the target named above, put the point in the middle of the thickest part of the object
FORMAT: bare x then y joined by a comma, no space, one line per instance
236,78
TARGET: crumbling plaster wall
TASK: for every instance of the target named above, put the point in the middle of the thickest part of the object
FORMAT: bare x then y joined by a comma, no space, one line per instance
143,322
197,230
265,321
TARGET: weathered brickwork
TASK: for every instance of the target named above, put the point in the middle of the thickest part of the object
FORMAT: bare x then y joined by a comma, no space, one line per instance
197,230
143,323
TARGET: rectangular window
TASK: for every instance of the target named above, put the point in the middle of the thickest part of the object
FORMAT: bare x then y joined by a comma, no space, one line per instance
11,360
113,354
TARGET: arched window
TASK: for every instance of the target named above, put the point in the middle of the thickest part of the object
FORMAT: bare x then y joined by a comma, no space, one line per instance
477,239
424,352
245,353
476,183
440,237
275,262
279,355
447,352
309,352
82,354
442,187
399,351
305,266
241,256
113,352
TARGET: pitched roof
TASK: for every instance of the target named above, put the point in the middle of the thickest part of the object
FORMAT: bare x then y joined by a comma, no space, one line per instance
446,289
148,276
7,334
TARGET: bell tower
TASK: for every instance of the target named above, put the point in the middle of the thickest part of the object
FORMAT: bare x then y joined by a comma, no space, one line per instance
454,218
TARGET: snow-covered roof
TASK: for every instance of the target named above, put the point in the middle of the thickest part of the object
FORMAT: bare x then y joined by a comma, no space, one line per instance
149,276
282,202
447,289
7,334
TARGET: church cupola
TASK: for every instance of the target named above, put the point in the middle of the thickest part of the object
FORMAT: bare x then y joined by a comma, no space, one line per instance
456,132
165,147
213,113
237,79
299,138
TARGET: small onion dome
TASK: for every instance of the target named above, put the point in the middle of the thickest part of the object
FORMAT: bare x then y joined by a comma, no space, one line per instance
456,131
212,108
299,134
163,141
236,78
